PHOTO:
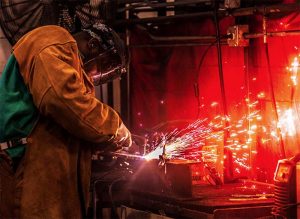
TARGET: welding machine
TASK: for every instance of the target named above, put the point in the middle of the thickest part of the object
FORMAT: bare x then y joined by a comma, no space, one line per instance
287,188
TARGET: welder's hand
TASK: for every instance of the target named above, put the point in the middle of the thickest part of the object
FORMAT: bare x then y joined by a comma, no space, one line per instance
123,138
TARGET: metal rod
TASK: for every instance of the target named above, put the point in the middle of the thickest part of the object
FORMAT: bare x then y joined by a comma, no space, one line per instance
135,11
188,38
210,37
272,34
139,1
222,84
263,10
171,45
127,155
181,38
161,5
163,18
266,10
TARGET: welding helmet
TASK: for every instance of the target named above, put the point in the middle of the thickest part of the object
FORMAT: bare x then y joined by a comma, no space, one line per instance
111,62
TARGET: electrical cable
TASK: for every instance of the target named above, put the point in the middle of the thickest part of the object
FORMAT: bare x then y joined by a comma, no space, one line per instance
294,105
95,198
196,84
221,75
282,149
114,208
94,194
278,131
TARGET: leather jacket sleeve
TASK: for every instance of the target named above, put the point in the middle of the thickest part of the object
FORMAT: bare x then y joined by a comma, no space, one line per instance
62,91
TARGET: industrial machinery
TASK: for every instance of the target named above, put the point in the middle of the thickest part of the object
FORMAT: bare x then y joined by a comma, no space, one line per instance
175,188
19,17
287,188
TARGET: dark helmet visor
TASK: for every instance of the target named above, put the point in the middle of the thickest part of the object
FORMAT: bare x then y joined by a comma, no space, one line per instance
105,67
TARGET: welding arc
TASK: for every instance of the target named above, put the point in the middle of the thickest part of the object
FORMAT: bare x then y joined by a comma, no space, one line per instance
126,155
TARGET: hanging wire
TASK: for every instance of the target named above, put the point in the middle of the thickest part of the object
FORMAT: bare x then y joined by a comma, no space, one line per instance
221,75
282,149
196,84
110,192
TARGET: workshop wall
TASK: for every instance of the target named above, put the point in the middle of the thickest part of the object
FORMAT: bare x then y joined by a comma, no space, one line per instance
163,79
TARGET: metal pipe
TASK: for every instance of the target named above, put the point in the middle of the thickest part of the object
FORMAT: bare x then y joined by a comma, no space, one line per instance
141,10
263,10
211,37
163,18
140,1
278,8
272,34
188,38
181,38
221,75
172,45
266,10
161,5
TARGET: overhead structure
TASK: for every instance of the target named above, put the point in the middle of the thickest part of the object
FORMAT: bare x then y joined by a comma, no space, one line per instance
17,17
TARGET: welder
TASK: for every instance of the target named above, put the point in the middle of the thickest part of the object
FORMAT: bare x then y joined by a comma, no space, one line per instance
51,121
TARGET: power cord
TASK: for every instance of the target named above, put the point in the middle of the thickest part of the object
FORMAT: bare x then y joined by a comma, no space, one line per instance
114,208
105,178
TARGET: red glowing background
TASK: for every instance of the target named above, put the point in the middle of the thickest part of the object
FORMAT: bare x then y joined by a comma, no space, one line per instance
163,80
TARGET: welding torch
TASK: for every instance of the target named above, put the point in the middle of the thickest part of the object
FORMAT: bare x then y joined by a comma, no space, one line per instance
135,151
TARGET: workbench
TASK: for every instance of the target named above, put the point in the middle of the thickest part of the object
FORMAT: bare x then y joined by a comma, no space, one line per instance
243,199
150,189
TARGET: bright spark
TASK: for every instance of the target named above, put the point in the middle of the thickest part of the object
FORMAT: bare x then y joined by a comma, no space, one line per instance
287,123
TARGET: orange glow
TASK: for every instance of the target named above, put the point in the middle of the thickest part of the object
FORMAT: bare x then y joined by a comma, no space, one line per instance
287,123
294,71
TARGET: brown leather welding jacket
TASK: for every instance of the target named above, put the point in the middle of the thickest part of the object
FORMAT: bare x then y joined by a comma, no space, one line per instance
57,162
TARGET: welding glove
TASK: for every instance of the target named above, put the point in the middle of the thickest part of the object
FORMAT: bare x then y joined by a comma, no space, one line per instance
122,138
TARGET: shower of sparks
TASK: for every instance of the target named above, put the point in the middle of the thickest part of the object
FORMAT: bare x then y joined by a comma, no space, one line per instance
288,117
287,123
203,139
294,71
183,144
